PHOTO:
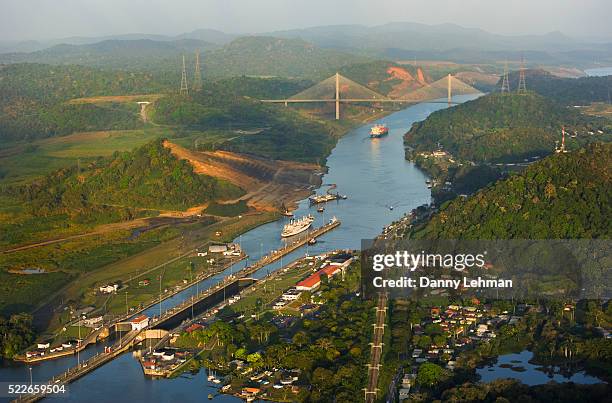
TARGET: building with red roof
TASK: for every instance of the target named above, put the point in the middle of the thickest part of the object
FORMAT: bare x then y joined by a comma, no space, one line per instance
314,281
139,322
194,327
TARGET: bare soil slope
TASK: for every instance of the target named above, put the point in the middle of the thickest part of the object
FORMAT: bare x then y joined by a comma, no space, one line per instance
269,183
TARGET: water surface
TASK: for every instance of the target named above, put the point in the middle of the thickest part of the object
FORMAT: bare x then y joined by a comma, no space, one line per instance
373,173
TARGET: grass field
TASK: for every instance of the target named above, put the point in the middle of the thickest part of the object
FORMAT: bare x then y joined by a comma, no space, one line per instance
272,289
78,267
21,162
599,109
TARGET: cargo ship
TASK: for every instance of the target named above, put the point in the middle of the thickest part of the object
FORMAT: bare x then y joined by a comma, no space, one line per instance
297,226
379,131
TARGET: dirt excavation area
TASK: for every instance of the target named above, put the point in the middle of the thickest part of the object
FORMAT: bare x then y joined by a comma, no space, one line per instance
269,184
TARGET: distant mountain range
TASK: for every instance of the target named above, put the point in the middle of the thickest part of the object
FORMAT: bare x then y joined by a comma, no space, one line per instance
206,35
249,55
400,40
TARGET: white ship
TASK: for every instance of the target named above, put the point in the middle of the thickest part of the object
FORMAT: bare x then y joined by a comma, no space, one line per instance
296,226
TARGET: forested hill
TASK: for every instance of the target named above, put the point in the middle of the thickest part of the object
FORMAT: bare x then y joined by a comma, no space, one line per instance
567,91
562,196
278,133
148,177
269,56
33,100
498,126
47,84
249,55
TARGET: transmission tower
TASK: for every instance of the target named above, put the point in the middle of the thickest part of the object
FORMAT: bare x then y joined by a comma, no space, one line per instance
522,87
184,90
197,79
505,83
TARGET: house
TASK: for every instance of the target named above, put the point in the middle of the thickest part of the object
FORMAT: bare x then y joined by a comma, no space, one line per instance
201,254
140,322
291,294
109,288
144,283
247,392
404,393
43,346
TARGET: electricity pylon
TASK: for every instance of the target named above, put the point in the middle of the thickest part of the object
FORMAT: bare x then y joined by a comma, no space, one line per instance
184,90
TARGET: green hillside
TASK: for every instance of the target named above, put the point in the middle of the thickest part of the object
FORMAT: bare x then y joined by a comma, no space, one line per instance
268,56
134,55
149,177
502,127
567,91
33,100
48,84
250,55
265,130
562,196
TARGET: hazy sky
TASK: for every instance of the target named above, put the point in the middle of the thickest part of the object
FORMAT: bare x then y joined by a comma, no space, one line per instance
47,19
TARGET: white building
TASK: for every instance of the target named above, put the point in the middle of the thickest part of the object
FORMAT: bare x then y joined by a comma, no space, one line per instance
217,248
91,322
109,289
140,322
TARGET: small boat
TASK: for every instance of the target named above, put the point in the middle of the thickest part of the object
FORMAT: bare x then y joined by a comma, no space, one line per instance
344,197
216,380
210,396
312,241
390,207
321,209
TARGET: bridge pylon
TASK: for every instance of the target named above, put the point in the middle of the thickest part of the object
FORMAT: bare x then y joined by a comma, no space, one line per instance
337,96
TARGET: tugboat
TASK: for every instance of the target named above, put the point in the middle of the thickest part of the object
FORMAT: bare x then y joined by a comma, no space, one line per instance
286,211
378,131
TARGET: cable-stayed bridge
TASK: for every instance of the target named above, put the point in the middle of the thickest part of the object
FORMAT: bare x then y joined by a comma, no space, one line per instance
339,89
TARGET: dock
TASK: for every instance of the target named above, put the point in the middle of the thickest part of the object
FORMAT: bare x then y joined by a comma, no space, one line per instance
132,337
290,247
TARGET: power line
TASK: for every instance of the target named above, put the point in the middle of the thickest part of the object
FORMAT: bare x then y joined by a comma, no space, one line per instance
197,79
522,86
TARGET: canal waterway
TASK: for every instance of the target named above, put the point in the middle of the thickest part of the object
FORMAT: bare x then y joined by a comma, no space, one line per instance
380,185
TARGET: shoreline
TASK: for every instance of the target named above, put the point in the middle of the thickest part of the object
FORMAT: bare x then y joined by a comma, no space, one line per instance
293,198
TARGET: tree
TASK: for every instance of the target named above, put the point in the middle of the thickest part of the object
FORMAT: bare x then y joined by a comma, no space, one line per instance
431,374
301,338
